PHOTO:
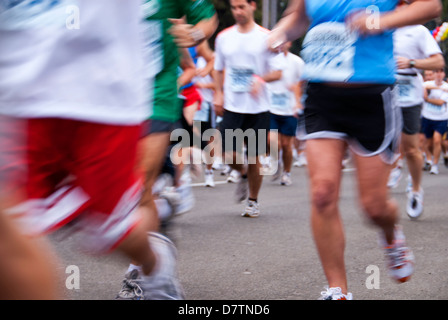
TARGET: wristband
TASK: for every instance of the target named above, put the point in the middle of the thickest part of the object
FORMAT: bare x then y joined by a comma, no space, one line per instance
197,35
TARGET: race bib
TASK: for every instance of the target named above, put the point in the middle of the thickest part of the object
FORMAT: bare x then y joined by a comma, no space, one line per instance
241,79
435,110
29,14
408,87
328,52
280,100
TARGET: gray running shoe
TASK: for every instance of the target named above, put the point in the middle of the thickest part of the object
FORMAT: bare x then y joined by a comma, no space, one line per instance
162,283
131,289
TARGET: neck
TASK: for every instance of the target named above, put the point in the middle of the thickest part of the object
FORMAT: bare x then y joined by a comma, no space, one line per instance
247,27
438,82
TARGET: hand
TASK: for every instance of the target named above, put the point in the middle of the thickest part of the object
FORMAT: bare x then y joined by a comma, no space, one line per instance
403,63
201,72
185,35
363,23
257,85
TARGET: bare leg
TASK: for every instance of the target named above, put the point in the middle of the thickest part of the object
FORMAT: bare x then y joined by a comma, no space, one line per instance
325,178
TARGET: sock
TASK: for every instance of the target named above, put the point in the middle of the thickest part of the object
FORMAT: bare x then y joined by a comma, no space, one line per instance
251,199
134,267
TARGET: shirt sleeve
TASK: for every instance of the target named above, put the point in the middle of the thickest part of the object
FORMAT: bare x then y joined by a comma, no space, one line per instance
198,10
219,59
429,44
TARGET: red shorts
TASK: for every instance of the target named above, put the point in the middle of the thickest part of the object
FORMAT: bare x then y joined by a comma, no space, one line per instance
192,96
83,170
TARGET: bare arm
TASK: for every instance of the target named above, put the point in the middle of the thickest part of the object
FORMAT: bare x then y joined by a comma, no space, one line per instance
418,12
433,62
291,26
187,35
218,99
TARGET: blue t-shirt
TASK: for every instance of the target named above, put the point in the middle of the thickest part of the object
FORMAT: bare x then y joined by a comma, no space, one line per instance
332,53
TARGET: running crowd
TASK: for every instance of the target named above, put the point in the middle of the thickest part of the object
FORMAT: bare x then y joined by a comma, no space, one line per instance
102,137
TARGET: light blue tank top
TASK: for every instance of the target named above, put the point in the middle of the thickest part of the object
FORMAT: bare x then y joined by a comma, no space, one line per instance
333,54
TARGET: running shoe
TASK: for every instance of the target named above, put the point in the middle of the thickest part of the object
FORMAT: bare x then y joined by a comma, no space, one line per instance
226,171
334,294
162,283
187,200
209,181
394,178
400,259
172,196
242,189
252,210
414,207
300,161
434,169
234,177
131,289
286,179
427,166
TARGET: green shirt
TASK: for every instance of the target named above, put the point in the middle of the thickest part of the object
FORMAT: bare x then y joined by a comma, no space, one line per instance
162,52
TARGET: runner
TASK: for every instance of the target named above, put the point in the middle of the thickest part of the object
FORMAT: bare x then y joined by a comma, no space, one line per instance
414,49
242,98
435,118
164,31
285,101
82,121
350,102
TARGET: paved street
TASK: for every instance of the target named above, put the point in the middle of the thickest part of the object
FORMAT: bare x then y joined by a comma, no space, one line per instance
223,256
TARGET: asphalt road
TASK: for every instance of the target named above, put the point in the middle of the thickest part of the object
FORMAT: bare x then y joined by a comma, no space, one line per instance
223,256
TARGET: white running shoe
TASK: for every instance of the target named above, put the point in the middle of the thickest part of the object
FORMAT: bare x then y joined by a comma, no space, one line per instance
252,210
394,177
400,259
414,207
434,169
286,179
301,161
187,201
172,196
209,181
226,171
334,294
234,177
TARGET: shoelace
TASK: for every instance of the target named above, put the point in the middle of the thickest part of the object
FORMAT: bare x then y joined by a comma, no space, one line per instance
397,256
330,292
131,289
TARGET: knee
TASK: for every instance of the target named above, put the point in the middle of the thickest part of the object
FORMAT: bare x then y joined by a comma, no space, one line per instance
324,196
374,207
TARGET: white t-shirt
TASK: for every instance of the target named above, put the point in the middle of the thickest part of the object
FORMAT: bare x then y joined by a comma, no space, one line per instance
412,42
75,59
242,56
282,99
432,111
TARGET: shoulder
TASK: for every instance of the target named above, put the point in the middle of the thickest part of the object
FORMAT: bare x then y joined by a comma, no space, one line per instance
226,32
